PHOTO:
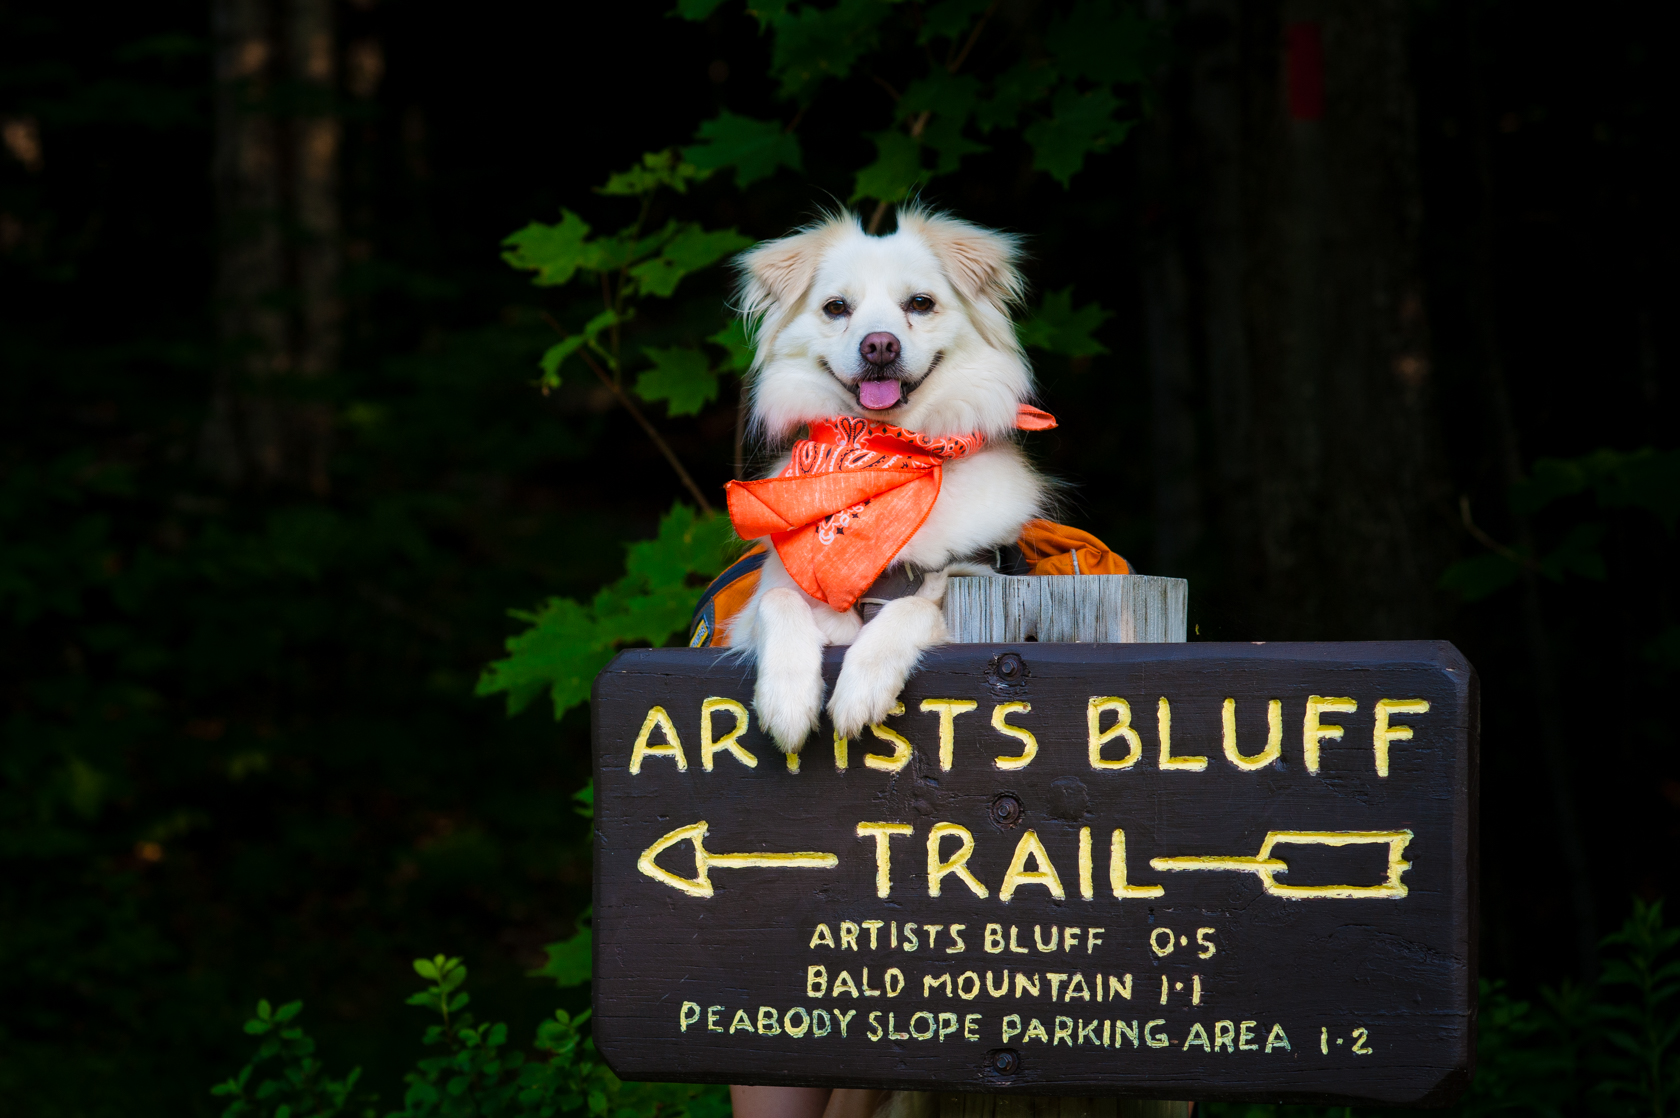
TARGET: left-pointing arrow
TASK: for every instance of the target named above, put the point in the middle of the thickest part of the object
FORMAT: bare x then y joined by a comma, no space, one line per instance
700,885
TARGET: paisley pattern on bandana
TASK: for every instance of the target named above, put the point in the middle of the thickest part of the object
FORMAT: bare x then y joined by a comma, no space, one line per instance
851,497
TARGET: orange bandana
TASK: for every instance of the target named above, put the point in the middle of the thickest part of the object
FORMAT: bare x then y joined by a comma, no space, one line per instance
852,497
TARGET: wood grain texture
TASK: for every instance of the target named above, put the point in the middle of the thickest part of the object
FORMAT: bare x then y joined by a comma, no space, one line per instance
1113,609
1393,977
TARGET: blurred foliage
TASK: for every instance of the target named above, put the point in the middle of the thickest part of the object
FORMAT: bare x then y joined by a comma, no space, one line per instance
475,1075
569,642
1069,86
1647,480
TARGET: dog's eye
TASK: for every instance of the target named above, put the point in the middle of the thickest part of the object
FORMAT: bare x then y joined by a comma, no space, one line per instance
834,308
921,304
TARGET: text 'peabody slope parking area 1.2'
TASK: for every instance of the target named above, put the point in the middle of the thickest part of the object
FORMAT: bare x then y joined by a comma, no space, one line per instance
1195,870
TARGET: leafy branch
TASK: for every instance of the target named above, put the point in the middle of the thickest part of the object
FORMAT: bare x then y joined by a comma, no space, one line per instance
629,267
1646,1027
1642,479
300,1089
1070,99
569,641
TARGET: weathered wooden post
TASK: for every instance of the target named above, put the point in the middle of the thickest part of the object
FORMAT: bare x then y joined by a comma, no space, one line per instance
1084,609
1081,859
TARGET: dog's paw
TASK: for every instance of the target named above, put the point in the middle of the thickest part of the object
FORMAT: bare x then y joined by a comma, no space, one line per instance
862,698
789,692
881,660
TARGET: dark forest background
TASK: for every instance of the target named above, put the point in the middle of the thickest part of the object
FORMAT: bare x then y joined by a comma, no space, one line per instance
1388,356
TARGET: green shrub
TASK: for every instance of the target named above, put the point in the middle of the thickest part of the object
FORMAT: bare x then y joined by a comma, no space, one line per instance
474,1074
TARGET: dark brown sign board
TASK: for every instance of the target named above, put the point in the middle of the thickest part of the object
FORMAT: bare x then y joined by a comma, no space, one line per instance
1240,871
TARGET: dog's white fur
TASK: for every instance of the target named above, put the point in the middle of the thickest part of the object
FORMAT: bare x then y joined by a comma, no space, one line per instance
965,372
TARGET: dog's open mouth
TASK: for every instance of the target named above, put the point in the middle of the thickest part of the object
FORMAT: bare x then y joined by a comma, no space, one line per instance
887,390
879,395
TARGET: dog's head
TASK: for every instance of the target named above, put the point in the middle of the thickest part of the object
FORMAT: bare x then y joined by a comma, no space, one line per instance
912,328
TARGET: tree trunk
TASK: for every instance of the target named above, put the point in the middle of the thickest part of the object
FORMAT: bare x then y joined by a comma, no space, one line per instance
1326,483
277,278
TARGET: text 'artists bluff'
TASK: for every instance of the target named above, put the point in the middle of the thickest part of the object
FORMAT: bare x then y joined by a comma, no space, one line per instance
1112,741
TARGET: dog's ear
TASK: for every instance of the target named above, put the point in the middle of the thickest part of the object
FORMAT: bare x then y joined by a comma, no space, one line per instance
774,274
980,262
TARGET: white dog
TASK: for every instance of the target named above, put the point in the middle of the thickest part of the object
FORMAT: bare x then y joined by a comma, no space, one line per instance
913,330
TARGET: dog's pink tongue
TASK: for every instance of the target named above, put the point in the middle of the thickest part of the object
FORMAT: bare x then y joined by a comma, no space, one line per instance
878,394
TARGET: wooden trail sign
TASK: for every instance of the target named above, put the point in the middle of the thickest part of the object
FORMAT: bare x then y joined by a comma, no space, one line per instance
1238,871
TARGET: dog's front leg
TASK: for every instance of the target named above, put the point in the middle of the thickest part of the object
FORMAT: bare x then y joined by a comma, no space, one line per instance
788,648
884,654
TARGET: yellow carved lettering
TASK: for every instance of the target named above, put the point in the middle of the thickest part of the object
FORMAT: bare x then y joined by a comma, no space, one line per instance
1163,727
901,747
1314,731
1018,875
882,833
672,747
1086,890
710,745
1384,733
1097,737
947,709
938,869
1274,737
1029,743
1064,1032
1117,871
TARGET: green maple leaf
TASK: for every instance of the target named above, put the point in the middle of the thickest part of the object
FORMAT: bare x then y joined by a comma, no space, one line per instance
567,642
557,353
1057,327
1079,124
733,339
815,44
554,252
565,347
688,249
683,378
950,100
896,171
561,652
943,136
755,148
948,19
1017,87
657,169
687,543
940,92
568,961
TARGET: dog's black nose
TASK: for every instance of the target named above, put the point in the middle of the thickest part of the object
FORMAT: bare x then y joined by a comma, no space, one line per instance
880,348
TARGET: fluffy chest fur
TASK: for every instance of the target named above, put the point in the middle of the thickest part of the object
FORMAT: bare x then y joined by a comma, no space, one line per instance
911,331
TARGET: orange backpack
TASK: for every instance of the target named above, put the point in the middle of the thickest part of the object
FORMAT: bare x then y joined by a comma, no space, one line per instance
1043,548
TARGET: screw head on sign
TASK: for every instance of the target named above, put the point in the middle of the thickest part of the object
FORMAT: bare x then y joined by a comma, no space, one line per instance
1006,810
1010,667
1005,1061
